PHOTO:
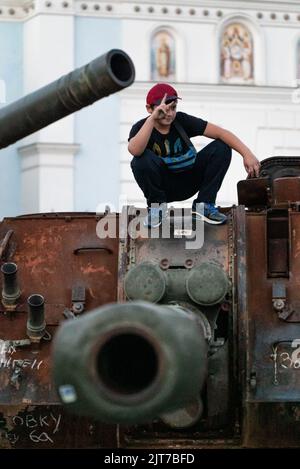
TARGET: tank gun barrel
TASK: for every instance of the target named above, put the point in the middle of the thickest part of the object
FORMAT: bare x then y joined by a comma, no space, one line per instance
103,76
131,362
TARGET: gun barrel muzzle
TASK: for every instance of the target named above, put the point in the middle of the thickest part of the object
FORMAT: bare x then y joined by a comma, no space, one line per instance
135,361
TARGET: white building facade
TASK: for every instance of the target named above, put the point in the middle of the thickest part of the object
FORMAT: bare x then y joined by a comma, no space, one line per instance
235,63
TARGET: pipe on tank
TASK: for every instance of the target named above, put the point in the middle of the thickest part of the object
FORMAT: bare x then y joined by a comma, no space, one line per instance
10,289
36,324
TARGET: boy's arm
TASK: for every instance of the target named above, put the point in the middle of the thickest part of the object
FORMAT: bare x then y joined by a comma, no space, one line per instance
251,163
138,143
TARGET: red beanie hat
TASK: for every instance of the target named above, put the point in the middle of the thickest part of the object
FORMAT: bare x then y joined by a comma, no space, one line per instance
157,92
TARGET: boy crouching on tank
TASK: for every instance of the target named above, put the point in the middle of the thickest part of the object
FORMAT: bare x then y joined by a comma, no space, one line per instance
167,166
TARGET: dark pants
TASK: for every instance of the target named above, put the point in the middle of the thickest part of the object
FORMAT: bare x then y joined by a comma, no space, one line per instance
159,184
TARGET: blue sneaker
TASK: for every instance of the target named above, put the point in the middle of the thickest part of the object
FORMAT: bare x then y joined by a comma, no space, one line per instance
156,215
210,214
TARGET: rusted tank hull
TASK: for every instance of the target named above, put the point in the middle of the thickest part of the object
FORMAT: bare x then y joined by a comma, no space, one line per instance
49,427
251,397
61,258
271,367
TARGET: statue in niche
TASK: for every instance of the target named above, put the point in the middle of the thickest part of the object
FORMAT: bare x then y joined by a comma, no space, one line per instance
163,56
226,60
237,54
246,61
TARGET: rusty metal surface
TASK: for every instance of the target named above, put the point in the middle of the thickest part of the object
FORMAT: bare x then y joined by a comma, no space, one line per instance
155,437
277,242
61,258
253,192
286,190
272,374
49,263
277,184
33,385
240,324
55,255
280,166
265,326
273,425
5,242
46,427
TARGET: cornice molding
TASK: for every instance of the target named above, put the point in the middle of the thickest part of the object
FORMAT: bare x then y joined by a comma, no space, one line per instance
265,13
13,12
249,94
52,148
216,3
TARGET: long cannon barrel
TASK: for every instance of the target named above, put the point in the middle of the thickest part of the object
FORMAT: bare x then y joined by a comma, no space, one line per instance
103,76
132,362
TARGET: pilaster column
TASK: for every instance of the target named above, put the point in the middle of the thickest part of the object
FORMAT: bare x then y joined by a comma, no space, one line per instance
47,177
47,156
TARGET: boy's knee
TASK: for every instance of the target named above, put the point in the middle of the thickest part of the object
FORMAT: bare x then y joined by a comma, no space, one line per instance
223,146
145,160
139,162
135,162
224,149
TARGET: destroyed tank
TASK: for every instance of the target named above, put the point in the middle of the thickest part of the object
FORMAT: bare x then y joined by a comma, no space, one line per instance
114,336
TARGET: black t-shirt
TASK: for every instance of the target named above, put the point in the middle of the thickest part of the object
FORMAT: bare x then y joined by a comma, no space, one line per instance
172,143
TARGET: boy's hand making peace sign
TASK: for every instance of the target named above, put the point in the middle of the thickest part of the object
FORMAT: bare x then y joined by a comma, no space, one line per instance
160,111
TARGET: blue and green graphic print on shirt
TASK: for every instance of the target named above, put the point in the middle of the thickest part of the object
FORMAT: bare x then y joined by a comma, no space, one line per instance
177,158
177,154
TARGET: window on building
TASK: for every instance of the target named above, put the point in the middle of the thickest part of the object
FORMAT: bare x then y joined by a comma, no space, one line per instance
236,59
163,66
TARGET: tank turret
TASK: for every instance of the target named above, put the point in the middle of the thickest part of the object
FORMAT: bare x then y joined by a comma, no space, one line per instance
103,76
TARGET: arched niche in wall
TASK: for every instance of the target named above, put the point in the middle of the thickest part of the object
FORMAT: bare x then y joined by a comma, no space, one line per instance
163,55
236,54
